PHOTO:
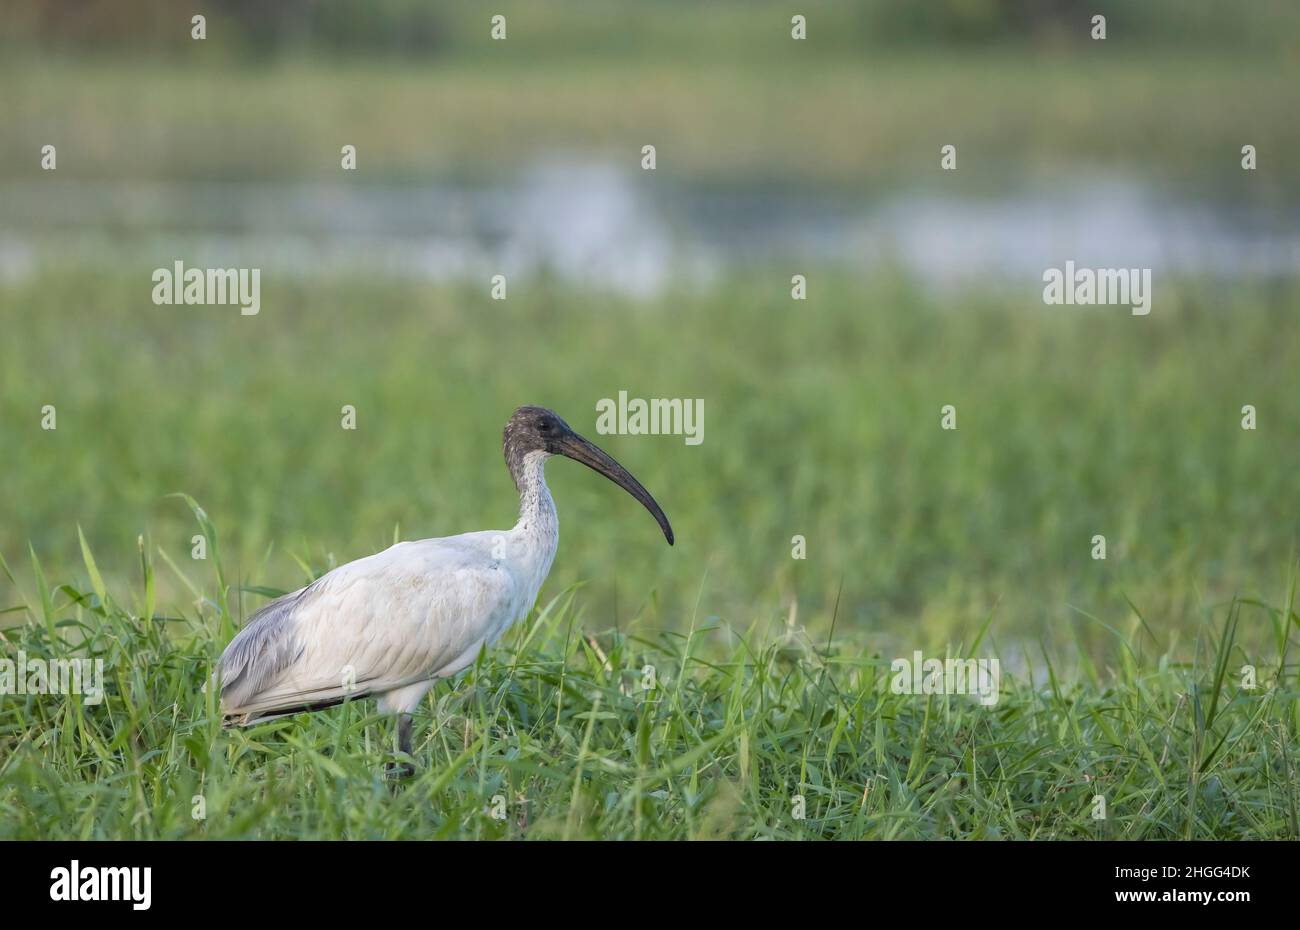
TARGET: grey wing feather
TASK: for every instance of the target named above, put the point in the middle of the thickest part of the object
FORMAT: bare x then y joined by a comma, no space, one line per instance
265,647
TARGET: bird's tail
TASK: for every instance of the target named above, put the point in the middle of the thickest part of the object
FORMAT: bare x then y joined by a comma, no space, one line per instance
250,717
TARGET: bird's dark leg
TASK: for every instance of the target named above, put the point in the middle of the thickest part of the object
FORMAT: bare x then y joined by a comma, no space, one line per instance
402,769
404,727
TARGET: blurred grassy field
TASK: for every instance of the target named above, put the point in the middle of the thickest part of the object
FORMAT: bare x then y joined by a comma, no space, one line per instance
1162,117
821,419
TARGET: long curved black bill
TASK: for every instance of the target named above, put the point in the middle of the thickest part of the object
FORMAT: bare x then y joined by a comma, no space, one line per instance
588,453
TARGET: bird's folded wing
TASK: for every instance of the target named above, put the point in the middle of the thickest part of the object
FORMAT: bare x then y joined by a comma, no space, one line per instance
380,623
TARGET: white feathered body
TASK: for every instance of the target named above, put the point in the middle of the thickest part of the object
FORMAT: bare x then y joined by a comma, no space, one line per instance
392,623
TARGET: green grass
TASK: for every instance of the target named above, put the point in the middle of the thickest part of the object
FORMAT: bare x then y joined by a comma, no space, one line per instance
562,733
792,115
1121,677
822,419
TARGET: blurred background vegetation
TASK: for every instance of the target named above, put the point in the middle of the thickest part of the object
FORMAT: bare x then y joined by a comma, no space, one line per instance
775,157
729,29
424,90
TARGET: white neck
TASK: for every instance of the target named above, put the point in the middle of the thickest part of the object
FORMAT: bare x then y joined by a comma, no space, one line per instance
539,525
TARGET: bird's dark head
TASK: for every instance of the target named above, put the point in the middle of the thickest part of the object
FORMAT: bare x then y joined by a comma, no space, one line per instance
536,429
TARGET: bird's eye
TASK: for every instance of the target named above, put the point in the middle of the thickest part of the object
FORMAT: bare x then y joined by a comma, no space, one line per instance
546,426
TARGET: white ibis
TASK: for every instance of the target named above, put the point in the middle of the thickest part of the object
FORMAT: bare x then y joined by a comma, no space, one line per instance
391,624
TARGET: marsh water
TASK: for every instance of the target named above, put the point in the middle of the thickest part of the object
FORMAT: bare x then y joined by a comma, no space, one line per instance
590,223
